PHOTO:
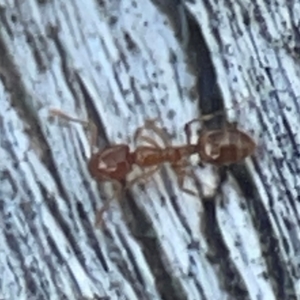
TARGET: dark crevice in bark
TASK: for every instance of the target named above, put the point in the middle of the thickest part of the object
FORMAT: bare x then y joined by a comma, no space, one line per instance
277,268
91,236
94,117
51,203
210,99
174,201
20,99
132,276
54,253
198,55
32,289
138,275
219,255
168,286
196,280
70,75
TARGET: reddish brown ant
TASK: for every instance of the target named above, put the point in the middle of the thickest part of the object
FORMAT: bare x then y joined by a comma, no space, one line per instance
219,147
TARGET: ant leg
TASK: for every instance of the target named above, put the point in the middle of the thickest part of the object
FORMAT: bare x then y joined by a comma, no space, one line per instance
62,115
143,177
227,125
187,130
212,115
231,125
187,127
181,176
182,173
138,133
118,189
150,141
150,124
92,128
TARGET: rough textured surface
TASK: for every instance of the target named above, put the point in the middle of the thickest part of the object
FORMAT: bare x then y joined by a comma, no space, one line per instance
119,63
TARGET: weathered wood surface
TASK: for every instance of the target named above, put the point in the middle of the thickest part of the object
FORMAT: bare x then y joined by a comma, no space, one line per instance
121,62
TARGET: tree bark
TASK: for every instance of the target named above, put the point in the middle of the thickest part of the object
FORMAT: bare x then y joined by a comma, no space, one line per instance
119,63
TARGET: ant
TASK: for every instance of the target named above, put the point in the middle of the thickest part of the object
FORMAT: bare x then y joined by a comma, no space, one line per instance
219,147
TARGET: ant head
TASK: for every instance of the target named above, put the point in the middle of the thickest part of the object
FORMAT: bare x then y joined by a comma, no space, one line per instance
225,146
